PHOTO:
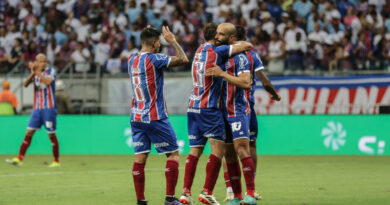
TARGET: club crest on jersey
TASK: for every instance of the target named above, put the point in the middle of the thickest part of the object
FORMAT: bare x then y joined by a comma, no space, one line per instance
242,61
236,126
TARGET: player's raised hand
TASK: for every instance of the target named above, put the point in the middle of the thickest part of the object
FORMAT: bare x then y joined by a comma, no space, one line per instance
276,97
168,35
32,66
214,71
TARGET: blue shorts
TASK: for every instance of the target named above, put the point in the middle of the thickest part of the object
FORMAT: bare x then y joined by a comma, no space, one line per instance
46,117
253,126
236,128
205,123
158,132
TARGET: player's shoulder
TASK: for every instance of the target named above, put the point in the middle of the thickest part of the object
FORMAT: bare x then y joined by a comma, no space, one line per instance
156,56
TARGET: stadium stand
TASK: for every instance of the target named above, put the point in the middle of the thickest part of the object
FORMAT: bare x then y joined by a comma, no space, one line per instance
289,35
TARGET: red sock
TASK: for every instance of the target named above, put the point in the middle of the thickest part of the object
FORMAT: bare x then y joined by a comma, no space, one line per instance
189,172
171,175
212,171
235,178
139,180
23,148
55,148
227,179
248,168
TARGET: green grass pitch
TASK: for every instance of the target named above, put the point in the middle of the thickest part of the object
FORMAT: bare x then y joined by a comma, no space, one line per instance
281,180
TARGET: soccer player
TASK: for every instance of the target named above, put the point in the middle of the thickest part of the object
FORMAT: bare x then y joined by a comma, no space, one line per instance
236,110
205,120
45,109
149,118
256,69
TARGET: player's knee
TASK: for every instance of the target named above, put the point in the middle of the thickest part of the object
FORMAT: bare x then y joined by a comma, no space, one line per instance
141,158
173,156
30,132
196,151
252,144
242,151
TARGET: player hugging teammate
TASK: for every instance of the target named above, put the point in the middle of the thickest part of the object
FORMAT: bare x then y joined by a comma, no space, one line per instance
219,111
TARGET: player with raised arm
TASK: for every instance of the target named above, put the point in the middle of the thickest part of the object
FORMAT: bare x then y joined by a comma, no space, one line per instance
45,108
149,118
205,119
236,110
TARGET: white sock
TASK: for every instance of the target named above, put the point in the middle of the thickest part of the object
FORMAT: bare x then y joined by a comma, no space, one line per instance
229,190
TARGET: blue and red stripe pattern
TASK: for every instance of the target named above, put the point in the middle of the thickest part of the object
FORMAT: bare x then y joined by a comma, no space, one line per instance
44,95
255,64
235,101
147,81
206,90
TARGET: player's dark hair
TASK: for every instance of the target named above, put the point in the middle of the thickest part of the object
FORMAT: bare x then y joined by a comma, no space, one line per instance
149,35
209,31
241,33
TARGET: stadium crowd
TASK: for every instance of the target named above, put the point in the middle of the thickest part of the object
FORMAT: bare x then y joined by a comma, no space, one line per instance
287,34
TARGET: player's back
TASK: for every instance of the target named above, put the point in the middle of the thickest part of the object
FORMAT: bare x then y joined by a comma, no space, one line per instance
146,77
44,95
234,99
206,89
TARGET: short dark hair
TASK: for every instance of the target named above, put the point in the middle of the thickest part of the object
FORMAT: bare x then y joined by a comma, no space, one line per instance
149,35
209,31
241,33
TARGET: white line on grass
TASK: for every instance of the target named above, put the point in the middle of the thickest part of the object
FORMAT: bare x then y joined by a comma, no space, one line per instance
79,172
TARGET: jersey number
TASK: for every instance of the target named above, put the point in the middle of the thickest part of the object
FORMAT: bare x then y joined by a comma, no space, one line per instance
139,93
199,66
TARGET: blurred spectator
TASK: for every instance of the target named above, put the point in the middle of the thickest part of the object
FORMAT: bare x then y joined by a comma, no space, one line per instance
81,58
124,56
102,50
6,96
63,57
276,53
30,53
315,54
52,50
267,24
62,98
296,50
16,53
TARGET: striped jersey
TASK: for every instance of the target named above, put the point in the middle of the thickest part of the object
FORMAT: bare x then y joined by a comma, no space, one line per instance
147,81
44,95
234,99
255,65
205,89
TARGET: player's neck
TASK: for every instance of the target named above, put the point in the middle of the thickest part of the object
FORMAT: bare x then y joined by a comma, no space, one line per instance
211,42
147,49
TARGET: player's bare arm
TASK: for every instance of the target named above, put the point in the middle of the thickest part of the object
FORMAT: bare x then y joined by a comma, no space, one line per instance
267,85
242,81
241,46
181,57
29,79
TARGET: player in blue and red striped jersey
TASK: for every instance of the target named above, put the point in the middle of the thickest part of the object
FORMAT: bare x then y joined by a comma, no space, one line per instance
236,109
205,120
149,118
45,108
256,69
